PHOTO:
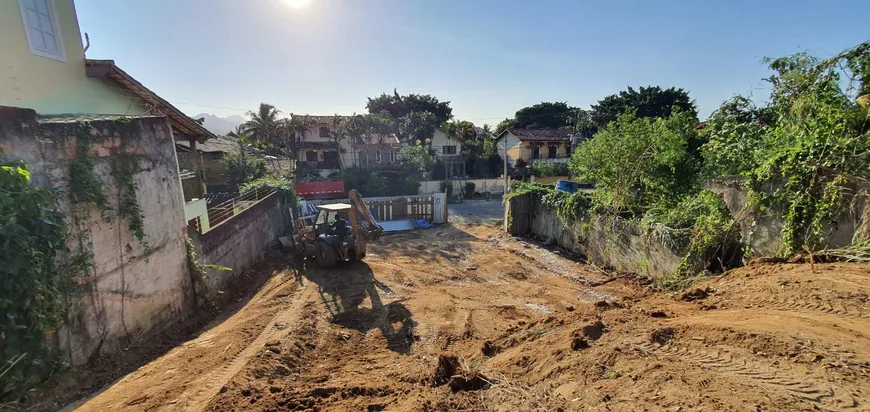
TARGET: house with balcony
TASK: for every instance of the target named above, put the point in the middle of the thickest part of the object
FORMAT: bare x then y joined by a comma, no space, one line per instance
535,145
317,151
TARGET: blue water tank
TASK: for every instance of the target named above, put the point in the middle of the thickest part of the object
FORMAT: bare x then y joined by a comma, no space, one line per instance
566,186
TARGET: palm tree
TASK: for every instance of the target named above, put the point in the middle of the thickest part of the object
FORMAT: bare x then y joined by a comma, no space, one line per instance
293,129
338,134
242,137
263,127
459,130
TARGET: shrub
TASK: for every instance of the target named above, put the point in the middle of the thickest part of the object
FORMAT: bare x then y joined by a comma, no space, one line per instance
446,186
469,189
240,169
283,188
639,162
365,181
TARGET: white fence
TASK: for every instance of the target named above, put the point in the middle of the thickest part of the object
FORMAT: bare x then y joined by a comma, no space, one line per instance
432,207
494,186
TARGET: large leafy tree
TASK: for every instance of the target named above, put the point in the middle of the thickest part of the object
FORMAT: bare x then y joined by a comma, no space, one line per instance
644,102
640,162
399,106
264,127
417,128
544,115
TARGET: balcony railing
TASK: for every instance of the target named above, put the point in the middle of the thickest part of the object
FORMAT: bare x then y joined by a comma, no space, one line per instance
319,164
557,159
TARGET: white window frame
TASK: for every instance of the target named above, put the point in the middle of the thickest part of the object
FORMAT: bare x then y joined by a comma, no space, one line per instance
392,155
378,156
55,24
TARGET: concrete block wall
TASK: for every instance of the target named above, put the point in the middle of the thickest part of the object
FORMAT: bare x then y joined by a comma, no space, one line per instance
239,241
133,290
614,243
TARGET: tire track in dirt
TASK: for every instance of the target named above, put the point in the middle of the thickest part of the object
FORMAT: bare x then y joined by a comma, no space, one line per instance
724,361
282,324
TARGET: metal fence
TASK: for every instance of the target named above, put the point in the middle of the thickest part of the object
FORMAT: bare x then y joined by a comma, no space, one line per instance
226,209
383,209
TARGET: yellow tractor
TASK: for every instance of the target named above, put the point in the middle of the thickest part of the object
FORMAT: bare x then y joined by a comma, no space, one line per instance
338,233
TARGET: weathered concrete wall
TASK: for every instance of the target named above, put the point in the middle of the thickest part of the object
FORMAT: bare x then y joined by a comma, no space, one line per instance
615,243
132,290
762,230
239,242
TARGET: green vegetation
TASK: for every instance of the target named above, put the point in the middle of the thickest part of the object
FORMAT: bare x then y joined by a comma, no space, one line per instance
34,286
540,169
199,273
805,154
468,190
283,188
240,169
807,151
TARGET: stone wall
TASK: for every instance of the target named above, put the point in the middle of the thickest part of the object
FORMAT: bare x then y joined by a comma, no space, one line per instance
239,241
614,243
762,230
132,289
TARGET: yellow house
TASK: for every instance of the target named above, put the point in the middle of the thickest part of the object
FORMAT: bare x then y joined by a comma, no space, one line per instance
44,68
43,63
535,145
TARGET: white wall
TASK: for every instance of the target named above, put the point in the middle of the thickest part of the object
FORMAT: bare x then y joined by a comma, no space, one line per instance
428,187
439,140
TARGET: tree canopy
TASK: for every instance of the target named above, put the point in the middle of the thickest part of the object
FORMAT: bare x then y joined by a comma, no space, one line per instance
399,106
650,101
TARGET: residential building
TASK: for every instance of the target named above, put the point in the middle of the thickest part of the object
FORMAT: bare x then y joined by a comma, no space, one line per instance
316,150
535,145
45,69
444,146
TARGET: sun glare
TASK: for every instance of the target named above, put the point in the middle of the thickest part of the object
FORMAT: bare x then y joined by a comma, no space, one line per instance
297,4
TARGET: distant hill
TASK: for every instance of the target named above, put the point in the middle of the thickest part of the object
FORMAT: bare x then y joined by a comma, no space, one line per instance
220,125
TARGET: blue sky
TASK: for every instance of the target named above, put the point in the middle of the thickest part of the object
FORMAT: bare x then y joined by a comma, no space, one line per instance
489,58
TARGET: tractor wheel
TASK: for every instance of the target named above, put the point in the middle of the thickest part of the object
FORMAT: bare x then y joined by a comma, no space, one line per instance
356,256
325,255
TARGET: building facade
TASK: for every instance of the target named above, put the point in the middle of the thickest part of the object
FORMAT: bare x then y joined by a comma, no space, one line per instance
535,145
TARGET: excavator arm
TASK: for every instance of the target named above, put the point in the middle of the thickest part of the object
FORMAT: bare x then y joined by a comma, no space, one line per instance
360,209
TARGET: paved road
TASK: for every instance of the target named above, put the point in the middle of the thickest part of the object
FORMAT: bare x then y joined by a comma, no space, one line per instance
476,211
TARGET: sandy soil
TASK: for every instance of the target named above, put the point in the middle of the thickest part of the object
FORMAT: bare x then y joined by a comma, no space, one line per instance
464,318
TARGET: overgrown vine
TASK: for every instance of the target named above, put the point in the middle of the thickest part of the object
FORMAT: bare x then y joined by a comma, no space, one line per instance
33,279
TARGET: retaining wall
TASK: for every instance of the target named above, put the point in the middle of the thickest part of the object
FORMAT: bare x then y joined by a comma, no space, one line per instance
614,243
239,241
133,290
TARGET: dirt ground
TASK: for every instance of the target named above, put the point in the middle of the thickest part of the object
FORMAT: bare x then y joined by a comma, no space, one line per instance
462,317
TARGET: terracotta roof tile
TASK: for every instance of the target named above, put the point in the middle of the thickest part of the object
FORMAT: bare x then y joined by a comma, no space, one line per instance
548,135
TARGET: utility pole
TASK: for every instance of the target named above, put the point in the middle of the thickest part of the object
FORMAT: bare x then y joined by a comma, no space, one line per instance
506,186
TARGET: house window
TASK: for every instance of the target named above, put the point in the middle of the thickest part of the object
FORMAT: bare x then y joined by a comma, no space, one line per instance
536,152
43,31
448,150
324,132
568,148
392,156
311,156
378,156
551,151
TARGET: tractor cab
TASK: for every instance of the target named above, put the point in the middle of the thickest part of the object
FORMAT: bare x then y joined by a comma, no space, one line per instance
333,219
339,233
